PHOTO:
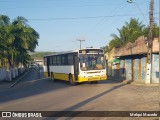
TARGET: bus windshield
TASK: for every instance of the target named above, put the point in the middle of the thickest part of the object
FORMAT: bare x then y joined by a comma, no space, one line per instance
92,62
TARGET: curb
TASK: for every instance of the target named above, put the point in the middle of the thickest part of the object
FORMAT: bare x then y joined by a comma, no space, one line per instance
132,82
139,83
19,79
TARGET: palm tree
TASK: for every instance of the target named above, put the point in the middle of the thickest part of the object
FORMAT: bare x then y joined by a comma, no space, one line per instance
26,38
128,33
155,31
135,29
16,39
5,37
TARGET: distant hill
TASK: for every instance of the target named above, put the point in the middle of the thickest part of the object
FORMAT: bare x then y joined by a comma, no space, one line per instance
39,55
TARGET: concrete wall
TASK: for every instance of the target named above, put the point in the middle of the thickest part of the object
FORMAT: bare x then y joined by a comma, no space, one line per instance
10,74
3,74
155,68
138,72
122,68
155,45
138,47
136,69
128,69
109,69
113,70
134,55
143,68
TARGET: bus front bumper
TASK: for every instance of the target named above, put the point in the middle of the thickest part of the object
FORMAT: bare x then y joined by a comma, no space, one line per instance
81,79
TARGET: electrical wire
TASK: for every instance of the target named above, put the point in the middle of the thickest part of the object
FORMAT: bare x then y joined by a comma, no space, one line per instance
113,12
89,17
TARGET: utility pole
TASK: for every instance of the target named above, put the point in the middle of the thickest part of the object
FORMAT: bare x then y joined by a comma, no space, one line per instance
80,42
150,39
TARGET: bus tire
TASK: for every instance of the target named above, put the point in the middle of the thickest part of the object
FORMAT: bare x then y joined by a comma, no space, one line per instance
52,77
71,81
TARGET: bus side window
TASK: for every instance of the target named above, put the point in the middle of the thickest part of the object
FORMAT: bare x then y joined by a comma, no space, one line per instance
63,60
54,60
57,60
70,59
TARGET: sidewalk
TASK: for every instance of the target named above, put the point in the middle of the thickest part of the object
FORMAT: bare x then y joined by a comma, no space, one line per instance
123,79
7,84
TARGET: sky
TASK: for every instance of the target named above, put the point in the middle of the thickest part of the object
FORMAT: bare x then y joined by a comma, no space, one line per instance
61,23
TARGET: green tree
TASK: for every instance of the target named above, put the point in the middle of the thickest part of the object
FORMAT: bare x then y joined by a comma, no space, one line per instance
135,29
155,31
5,38
26,38
17,38
128,33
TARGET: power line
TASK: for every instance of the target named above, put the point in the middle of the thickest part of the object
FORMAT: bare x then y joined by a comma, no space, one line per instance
130,1
75,18
112,12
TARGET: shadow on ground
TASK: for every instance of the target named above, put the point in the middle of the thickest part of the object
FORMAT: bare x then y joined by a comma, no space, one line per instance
31,88
69,112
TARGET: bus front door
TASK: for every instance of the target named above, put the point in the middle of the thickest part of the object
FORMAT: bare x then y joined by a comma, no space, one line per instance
76,68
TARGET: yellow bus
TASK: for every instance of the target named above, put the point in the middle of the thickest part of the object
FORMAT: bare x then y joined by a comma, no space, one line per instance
83,65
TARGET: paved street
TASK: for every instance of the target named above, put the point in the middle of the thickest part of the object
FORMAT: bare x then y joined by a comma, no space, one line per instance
33,94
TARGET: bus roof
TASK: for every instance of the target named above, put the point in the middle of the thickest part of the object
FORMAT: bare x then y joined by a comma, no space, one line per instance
73,51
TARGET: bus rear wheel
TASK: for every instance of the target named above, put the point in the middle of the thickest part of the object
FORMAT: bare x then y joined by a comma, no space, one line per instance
71,81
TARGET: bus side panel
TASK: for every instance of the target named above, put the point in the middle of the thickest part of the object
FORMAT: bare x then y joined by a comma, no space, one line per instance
61,76
62,72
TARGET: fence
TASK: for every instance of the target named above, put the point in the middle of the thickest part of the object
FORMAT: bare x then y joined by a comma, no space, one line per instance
3,74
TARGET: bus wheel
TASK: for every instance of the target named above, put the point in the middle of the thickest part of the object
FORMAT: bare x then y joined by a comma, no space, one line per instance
71,81
52,77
